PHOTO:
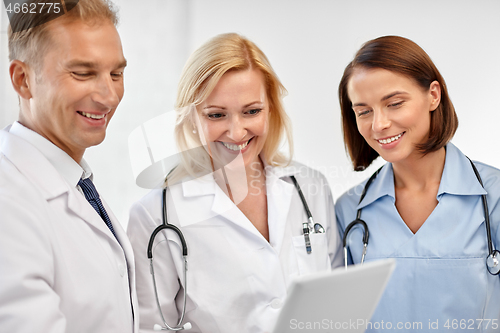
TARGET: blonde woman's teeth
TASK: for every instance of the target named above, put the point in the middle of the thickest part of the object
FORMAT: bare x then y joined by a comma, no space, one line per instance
234,147
389,140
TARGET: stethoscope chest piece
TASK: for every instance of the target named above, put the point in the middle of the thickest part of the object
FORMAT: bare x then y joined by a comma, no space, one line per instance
493,262
318,228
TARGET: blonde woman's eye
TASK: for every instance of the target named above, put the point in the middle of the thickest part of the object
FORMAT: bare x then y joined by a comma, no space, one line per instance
254,111
215,116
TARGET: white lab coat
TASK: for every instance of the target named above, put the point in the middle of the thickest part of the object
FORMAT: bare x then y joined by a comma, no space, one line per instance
237,280
61,269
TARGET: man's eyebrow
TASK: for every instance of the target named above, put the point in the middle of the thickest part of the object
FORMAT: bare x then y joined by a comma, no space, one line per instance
82,63
122,64
91,64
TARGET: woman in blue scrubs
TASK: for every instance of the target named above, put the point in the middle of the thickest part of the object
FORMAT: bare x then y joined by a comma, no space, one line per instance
424,207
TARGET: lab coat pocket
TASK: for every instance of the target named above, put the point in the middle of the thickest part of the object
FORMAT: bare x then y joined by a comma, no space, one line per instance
316,261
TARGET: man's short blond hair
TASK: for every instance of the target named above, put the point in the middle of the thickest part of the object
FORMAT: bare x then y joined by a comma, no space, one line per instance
29,36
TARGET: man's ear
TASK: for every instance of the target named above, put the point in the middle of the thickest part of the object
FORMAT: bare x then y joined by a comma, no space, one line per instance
19,76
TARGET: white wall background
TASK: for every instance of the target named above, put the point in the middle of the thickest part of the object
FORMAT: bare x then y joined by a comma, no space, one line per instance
309,42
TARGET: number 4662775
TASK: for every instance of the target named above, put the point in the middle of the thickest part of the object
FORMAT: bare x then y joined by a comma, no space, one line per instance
34,8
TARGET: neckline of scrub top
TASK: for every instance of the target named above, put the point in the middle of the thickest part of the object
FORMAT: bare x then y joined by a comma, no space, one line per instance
458,178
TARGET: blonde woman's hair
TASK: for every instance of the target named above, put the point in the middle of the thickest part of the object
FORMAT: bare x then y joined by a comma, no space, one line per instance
202,72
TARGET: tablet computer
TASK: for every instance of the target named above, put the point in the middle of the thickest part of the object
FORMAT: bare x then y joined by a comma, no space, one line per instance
342,300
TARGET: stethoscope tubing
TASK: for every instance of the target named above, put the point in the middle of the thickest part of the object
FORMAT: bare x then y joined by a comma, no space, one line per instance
316,227
166,225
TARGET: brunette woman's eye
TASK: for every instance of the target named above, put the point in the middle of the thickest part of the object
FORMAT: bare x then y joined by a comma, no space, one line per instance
362,113
396,104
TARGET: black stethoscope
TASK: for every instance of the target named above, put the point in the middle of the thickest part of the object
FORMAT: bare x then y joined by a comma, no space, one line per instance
307,228
492,260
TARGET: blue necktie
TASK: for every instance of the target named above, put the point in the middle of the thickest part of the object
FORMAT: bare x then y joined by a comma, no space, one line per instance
92,197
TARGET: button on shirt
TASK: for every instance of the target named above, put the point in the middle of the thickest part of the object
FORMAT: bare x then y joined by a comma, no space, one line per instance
440,270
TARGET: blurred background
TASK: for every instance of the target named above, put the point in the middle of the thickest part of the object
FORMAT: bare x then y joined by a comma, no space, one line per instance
309,43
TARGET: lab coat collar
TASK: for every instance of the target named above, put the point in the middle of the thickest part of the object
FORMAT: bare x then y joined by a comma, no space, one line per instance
205,185
279,192
62,162
24,155
47,180
458,178
282,172
279,196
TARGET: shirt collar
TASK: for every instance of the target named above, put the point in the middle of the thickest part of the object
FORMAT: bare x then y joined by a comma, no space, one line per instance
62,162
382,185
458,178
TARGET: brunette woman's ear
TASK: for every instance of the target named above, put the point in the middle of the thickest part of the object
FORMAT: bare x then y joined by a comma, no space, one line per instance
435,95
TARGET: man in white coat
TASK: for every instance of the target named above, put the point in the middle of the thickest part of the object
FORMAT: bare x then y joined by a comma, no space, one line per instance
66,264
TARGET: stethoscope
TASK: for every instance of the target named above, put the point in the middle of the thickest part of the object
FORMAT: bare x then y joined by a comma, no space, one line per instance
307,228
492,260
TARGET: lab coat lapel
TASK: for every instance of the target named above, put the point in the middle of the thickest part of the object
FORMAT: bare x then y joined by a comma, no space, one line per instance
211,201
78,204
279,198
223,206
129,257
120,233
45,177
23,155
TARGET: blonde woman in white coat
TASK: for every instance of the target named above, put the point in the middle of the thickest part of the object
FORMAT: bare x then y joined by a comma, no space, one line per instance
243,223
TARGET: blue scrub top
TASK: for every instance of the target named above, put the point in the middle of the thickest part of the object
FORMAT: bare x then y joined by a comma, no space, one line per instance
441,283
